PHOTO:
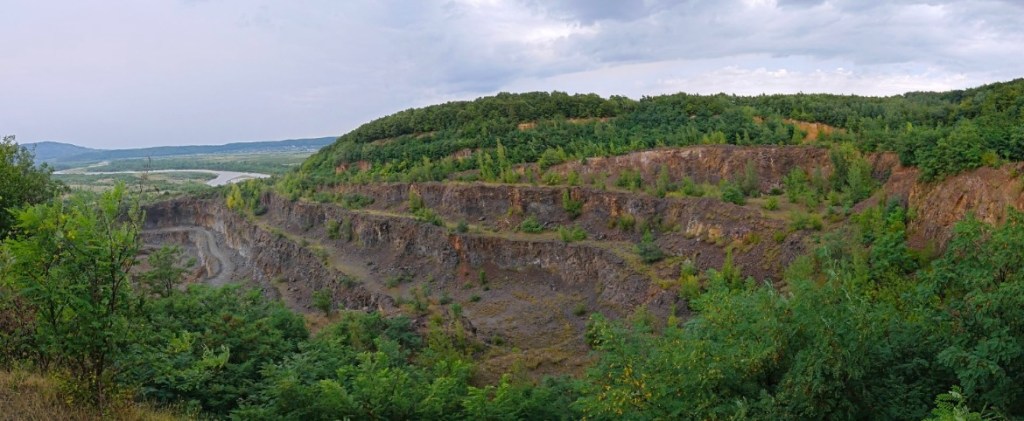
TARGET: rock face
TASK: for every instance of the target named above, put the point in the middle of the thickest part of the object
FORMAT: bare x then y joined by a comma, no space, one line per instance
695,228
530,292
280,267
986,193
527,294
705,164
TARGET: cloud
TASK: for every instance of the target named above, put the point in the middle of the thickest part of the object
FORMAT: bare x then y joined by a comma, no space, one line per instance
122,73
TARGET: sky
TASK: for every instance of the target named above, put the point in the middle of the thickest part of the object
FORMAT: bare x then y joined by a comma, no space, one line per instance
134,73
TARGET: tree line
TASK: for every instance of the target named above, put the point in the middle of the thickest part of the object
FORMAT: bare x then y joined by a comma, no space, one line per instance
942,133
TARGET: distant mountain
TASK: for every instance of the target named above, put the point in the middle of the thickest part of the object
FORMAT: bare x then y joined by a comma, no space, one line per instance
63,153
55,151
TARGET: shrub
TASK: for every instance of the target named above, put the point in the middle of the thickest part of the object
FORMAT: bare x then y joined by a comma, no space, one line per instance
689,286
573,207
462,227
579,310
625,222
733,194
779,236
530,225
551,179
551,157
397,280
749,183
428,215
415,201
333,230
804,220
573,178
573,233
355,201
649,251
348,281
346,229
322,301
630,180
689,188
771,204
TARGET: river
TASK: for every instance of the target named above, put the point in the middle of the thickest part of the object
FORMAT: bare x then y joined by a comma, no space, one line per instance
222,177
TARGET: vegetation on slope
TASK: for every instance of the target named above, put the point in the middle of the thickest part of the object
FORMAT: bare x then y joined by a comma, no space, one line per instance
22,182
943,133
861,327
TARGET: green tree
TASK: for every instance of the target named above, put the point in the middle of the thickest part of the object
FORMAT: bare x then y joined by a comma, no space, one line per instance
573,207
22,182
648,250
71,266
165,271
960,150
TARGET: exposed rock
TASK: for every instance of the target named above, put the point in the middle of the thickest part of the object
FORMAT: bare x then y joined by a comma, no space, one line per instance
937,206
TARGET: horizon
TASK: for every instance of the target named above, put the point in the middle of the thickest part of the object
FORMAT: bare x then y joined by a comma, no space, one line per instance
483,96
170,146
117,74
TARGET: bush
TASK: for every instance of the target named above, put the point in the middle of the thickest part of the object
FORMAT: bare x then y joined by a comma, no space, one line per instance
630,180
346,229
750,183
772,203
551,179
649,251
689,188
333,230
779,236
348,281
428,215
573,207
355,201
415,201
531,226
323,301
689,286
551,157
733,194
804,221
396,280
573,178
571,234
626,222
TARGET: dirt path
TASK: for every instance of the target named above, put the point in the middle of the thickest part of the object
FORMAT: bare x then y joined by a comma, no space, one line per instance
219,266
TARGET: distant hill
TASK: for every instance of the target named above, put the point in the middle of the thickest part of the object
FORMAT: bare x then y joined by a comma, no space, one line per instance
55,151
63,153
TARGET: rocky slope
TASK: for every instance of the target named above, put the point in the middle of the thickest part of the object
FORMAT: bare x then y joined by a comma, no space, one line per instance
526,296
715,163
987,193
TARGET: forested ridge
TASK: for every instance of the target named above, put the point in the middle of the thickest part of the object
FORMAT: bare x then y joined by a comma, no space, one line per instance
859,327
942,133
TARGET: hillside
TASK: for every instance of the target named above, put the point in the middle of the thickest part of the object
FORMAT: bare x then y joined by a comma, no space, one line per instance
51,152
555,256
63,155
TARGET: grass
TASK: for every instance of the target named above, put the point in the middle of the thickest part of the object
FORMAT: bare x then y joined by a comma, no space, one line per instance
31,396
268,163
155,186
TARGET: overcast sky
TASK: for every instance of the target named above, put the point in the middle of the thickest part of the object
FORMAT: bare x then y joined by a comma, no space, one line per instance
131,73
